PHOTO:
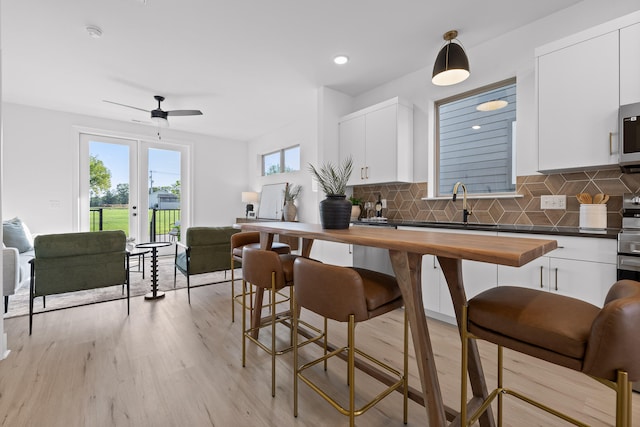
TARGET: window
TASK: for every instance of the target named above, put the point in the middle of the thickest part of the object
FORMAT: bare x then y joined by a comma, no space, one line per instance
475,140
285,160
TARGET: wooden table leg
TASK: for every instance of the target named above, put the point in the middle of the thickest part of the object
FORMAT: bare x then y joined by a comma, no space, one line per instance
452,269
407,268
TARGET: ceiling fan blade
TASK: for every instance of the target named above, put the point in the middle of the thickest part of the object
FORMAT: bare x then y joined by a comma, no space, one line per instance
125,105
184,113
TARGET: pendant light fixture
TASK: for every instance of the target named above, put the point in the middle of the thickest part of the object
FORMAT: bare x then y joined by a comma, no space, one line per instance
452,64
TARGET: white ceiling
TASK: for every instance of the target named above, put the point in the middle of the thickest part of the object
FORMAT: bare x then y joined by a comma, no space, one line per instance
249,65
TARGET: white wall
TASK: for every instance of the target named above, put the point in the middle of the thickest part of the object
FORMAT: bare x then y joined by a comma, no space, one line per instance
40,159
302,131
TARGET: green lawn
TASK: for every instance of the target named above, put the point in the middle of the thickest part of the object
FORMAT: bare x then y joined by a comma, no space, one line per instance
118,219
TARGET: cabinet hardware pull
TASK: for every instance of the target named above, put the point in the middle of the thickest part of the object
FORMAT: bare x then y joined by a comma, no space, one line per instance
556,278
366,172
361,173
610,143
434,263
541,285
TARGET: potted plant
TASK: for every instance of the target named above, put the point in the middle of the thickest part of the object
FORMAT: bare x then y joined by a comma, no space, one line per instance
335,210
291,193
356,208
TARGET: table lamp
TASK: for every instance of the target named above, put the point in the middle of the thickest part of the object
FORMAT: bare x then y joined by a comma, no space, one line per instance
249,197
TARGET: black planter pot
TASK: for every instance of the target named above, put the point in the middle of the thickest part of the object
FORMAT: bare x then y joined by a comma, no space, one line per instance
335,212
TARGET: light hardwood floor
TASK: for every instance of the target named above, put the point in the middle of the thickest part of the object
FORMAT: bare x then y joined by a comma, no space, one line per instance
171,364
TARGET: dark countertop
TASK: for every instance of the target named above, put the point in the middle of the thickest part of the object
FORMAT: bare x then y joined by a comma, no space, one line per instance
608,233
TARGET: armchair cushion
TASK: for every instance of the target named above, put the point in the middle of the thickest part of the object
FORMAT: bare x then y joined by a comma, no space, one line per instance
10,271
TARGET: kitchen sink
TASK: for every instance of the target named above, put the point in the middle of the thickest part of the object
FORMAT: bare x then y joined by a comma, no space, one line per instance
458,224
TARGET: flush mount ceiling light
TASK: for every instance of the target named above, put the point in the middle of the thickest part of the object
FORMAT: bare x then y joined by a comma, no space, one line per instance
492,105
476,127
452,64
341,59
94,32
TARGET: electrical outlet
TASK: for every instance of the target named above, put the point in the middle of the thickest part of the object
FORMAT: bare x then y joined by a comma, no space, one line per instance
384,203
553,202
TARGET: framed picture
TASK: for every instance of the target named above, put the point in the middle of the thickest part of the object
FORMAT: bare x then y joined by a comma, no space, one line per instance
271,201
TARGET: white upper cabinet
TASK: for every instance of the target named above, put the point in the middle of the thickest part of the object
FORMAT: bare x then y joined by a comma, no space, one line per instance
578,102
581,82
630,64
380,141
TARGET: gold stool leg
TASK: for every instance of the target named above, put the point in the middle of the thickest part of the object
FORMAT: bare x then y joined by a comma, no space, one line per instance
233,293
272,306
244,322
500,378
295,356
406,369
623,396
325,342
350,370
463,368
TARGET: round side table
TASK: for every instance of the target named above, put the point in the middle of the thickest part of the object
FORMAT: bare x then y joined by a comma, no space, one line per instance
154,294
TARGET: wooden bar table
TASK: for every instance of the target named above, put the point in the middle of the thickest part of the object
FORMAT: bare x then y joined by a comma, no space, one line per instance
406,249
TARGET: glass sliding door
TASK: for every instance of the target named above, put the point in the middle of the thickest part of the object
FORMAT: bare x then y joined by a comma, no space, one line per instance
164,189
108,184
136,186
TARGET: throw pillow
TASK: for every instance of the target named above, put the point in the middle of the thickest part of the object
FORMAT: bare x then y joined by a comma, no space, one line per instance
16,235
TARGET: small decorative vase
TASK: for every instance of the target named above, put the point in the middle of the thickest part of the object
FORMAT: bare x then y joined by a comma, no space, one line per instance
290,211
355,212
335,212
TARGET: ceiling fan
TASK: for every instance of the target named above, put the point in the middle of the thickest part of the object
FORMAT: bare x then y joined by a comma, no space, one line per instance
159,116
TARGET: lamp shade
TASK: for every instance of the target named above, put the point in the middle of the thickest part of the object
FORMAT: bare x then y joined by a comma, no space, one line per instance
249,197
452,64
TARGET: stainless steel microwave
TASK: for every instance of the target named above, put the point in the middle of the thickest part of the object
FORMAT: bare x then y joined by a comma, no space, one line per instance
629,137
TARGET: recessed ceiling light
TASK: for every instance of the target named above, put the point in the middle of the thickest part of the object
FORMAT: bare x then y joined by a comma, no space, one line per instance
94,32
495,104
341,59
475,127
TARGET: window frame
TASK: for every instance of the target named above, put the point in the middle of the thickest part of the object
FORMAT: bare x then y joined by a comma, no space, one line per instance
283,166
436,150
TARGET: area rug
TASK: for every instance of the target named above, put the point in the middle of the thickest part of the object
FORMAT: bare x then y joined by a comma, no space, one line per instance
19,303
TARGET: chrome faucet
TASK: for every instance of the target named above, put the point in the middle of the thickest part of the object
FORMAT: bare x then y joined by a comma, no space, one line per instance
465,212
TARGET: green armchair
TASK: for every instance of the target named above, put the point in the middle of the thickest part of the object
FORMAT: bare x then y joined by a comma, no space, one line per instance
206,249
72,262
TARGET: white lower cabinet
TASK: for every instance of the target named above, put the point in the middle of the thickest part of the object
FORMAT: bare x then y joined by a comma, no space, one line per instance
477,276
581,267
332,253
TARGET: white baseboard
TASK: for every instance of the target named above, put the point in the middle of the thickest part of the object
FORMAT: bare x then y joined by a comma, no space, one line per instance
4,351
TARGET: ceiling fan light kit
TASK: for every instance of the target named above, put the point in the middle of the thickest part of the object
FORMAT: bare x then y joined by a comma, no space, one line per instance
451,65
158,115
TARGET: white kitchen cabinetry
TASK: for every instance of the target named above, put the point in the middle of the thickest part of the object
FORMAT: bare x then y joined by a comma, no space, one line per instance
578,100
581,267
477,276
630,64
380,141
332,252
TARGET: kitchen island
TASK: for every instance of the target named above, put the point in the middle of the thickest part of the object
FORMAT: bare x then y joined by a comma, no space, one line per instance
406,249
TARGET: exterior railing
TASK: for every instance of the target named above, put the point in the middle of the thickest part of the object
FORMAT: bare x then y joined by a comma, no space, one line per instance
164,225
96,219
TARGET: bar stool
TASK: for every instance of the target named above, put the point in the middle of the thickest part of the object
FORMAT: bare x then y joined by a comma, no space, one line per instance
272,272
347,295
250,239
602,343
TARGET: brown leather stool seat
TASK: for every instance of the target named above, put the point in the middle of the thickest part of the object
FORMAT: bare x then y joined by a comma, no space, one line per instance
602,343
348,295
239,241
271,272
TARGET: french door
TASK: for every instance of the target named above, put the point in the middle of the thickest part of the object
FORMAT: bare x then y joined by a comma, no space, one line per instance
137,186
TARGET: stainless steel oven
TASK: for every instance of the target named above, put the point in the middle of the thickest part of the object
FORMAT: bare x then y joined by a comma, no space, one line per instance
629,243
